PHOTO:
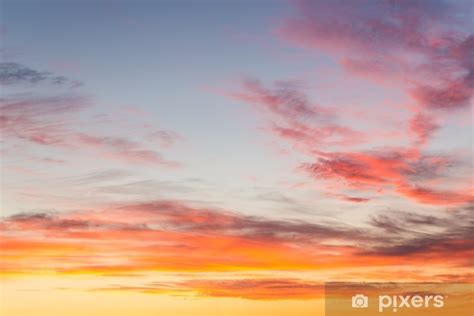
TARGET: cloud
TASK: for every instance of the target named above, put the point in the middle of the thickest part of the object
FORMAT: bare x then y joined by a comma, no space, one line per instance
165,139
435,196
314,131
37,119
353,198
148,187
454,95
370,168
396,170
421,42
350,25
54,122
425,235
293,117
12,73
27,106
458,278
274,196
121,148
423,126
431,246
285,100
101,176
423,47
254,289
297,289
173,236
396,222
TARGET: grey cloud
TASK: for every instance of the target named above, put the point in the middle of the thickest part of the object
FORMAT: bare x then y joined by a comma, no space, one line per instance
12,73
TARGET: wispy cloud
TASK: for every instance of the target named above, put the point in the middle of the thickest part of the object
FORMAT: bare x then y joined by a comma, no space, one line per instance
294,117
417,234
164,138
423,126
254,289
53,122
12,73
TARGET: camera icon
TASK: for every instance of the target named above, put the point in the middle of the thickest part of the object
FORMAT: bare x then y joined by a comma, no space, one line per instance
360,301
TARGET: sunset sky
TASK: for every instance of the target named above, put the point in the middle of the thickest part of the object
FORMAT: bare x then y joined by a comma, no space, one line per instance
182,158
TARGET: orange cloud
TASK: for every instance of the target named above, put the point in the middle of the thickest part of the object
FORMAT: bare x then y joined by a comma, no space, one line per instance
172,236
254,289
434,196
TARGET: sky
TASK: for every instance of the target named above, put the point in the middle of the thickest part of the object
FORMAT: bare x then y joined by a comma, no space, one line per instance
229,157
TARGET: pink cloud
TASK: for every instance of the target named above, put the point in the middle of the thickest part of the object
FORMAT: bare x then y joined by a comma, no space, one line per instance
53,122
293,117
434,196
313,130
165,139
395,170
418,45
423,126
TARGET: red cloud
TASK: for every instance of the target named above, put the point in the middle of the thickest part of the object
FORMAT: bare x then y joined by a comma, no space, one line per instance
434,196
389,170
